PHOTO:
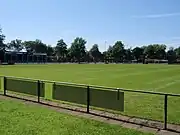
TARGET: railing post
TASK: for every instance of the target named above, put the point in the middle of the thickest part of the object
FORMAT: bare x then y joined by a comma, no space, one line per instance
88,98
38,90
5,83
118,93
53,89
165,111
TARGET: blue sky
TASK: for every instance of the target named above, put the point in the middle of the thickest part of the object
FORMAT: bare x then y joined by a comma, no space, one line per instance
135,22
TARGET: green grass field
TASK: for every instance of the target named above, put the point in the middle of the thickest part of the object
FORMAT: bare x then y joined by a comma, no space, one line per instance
17,118
150,77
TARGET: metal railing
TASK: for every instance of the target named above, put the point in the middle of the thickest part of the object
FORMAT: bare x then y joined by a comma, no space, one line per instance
88,88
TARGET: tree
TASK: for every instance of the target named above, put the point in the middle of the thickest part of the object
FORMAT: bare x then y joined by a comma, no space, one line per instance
150,52
2,38
171,55
177,50
155,51
118,51
95,53
137,52
35,46
61,48
109,52
30,46
108,55
88,57
15,45
160,51
78,49
50,50
128,54
2,46
69,55
40,47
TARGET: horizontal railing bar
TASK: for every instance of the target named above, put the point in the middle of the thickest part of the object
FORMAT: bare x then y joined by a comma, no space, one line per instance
103,87
75,84
100,87
47,81
150,92
130,90
136,91
30,79
173,95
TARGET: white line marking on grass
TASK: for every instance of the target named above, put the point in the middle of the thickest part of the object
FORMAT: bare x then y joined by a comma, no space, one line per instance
106,70
85,79
163,80
84,70
167,85
142,72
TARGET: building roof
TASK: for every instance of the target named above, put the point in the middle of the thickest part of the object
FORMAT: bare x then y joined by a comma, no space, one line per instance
12,50
42,54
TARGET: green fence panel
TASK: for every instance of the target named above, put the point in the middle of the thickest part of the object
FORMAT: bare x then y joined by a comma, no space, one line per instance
42,89
107,99
24,86
70,94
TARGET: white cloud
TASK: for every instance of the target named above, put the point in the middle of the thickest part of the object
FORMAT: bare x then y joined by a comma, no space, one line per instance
158,15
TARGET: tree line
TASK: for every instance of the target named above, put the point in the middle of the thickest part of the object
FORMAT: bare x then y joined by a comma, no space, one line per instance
77,52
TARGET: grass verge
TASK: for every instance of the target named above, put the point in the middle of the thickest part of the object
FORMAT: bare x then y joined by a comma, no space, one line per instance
18,118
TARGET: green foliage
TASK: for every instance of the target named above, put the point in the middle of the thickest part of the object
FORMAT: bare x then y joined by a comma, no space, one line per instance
118,51
95,53
29,45
35,46
160,51
2,38
50,50
40,47
177,50
15,45
128,54
171,55
78,48
61,48
109,52
137,52
155,51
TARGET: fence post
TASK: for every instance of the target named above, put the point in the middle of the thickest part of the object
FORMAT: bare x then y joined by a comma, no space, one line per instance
88,98
38,90
118,93
165,111
5,83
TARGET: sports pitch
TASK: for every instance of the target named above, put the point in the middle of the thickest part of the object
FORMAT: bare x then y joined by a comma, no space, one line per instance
150,77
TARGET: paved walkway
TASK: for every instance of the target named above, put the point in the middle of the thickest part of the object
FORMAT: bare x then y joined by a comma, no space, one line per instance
124,121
